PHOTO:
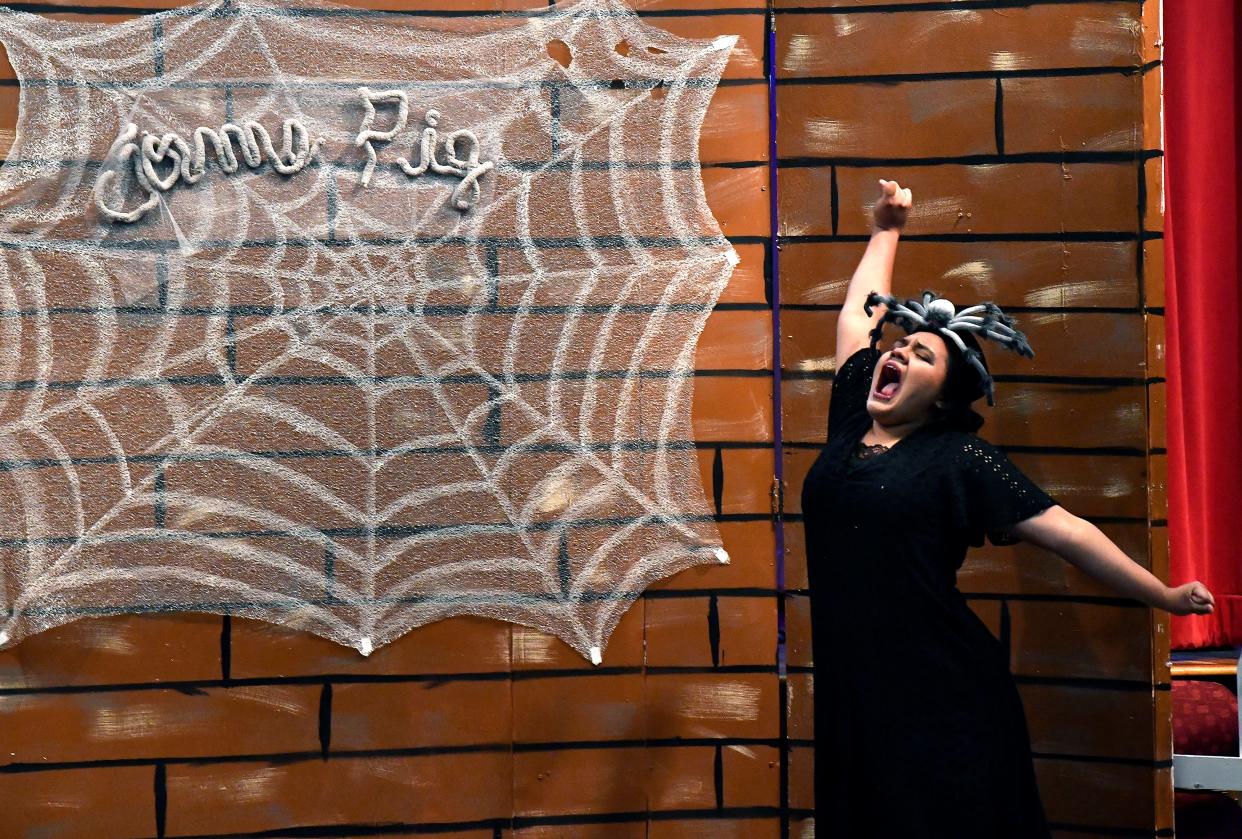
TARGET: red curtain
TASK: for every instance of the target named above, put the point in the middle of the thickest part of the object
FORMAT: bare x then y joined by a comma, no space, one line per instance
1204,360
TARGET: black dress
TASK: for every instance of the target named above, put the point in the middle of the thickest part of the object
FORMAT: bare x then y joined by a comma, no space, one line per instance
919,728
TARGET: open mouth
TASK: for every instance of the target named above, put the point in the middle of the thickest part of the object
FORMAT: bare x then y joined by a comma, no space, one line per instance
889,383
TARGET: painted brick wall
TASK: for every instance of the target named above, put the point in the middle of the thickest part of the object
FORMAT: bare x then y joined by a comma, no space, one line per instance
1029,135
1022,130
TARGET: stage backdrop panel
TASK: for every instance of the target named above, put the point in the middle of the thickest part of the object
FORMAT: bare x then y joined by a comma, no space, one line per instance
1028,135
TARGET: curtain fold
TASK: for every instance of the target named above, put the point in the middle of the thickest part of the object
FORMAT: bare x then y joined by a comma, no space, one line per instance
1204,342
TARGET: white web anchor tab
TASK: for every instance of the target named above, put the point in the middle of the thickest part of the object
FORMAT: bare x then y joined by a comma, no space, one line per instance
343,385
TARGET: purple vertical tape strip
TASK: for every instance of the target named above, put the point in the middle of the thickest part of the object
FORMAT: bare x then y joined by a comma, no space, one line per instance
774,244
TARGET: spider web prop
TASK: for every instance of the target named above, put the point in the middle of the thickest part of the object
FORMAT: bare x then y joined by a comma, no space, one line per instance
284,373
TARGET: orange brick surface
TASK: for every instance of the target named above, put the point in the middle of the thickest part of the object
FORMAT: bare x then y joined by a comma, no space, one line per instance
181,724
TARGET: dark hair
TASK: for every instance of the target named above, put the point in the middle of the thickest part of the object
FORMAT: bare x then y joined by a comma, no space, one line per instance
961,387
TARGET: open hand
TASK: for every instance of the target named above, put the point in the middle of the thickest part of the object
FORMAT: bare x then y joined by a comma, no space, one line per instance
1190,599
890,208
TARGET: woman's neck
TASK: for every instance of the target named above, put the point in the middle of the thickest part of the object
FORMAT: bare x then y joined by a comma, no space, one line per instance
890,435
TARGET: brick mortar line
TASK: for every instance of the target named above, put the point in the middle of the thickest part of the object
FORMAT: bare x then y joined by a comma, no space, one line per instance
336,756
340,679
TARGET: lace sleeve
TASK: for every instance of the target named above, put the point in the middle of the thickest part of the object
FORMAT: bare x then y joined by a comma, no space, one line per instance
851,387
996,494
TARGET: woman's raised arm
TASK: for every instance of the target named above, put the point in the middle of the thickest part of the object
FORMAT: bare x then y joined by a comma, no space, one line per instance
874,271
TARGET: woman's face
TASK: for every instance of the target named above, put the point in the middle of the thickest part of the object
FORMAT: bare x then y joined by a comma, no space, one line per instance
908,379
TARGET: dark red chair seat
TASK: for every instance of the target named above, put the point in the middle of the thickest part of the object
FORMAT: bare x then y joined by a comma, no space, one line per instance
1205,718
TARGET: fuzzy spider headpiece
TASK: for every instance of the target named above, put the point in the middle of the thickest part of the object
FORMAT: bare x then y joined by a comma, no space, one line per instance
937,313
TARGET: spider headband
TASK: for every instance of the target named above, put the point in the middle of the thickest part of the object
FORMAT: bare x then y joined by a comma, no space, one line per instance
937,313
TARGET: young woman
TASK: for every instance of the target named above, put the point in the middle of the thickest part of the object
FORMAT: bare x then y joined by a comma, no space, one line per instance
919,727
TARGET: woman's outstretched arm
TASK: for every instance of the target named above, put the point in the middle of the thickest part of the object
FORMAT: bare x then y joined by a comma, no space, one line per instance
1081,543
874,271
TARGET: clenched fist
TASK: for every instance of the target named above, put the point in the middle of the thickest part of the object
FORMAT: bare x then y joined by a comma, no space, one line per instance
1190,599
890,208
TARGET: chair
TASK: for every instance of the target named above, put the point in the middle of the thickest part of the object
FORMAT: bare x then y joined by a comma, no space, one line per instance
1219,767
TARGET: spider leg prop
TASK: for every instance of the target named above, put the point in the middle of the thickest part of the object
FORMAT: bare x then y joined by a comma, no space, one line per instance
973,357
909,315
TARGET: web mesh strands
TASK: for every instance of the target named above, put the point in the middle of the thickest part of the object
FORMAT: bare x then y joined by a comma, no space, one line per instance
353,321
